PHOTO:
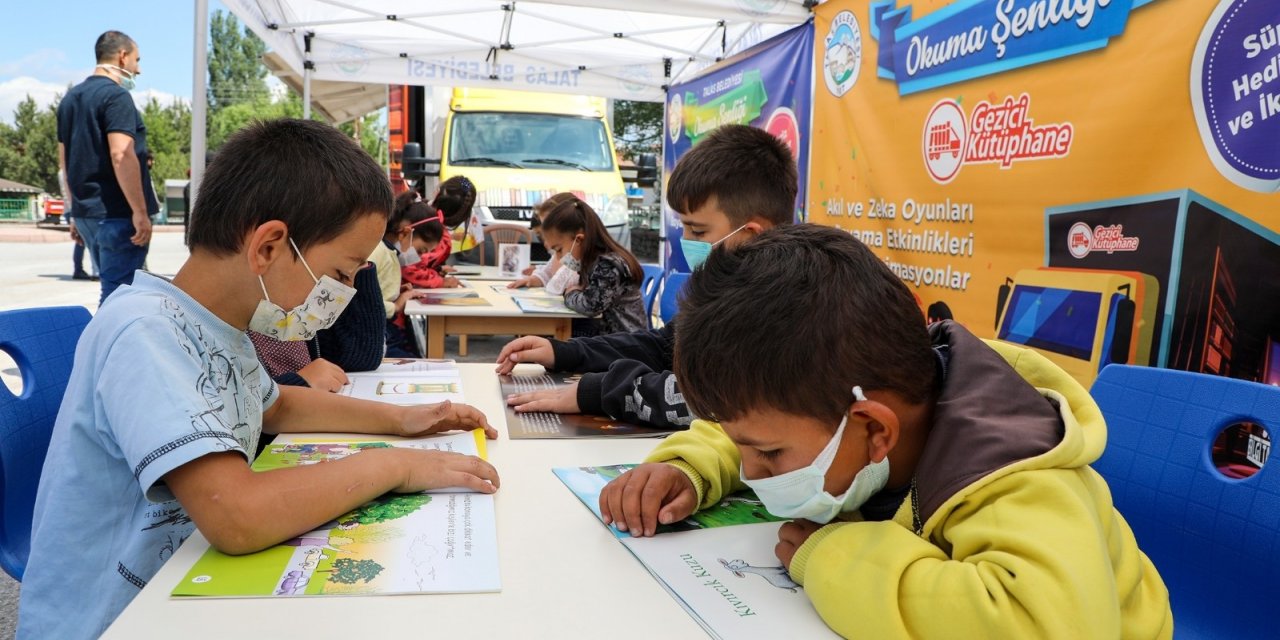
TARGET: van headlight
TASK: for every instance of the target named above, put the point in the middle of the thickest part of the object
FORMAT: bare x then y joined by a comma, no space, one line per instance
615,213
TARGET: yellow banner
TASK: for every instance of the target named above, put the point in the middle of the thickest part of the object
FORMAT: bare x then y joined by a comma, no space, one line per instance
1092,179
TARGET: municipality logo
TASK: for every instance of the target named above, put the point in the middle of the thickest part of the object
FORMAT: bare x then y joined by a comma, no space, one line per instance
843,57
350,60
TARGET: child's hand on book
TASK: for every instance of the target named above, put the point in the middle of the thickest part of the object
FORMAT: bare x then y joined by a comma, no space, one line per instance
426,419
426,470
646,496
561,400
791,536
531,349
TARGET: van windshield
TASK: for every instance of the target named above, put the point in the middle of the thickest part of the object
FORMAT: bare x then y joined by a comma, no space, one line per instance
529,140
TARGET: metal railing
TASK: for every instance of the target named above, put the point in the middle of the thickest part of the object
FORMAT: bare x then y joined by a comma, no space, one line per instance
17,209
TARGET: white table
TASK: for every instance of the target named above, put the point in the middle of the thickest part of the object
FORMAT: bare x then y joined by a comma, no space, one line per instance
486,272
501,318
563,574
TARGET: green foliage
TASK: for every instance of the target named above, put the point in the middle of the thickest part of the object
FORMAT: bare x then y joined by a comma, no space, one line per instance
385,509
348,571
637,127
29,148
236,72
169,140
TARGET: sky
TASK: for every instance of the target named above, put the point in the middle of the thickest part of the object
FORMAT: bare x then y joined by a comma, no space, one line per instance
48,44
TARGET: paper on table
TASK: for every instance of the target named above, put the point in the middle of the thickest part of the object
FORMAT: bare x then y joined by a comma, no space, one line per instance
414,365
405,388
549,304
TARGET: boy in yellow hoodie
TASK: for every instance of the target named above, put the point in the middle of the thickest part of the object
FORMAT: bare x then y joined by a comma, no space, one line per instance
941,485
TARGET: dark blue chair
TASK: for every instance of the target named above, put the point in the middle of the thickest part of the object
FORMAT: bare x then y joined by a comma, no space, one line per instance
670,301
649,289
43,344
1214,539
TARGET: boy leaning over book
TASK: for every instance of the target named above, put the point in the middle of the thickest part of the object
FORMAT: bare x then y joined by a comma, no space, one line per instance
940,484
167,399
736,183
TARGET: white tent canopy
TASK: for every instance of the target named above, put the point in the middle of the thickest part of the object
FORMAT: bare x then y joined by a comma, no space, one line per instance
628,49
338,102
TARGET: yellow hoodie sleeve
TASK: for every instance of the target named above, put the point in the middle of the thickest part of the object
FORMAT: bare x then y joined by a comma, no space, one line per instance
1024,556
707,455
388,266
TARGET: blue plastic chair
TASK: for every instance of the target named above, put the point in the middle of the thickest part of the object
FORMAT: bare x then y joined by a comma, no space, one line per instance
43,344
1215,540
670,301
649,289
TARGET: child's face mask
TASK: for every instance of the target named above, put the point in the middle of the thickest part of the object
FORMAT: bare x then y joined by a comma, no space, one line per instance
568,261
800,493
318,311
697,251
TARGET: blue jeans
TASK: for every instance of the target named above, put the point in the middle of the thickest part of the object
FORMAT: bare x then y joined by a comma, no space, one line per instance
107,241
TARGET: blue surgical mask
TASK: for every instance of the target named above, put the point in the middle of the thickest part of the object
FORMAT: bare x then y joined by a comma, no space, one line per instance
697,251
128,79
568,261
800,493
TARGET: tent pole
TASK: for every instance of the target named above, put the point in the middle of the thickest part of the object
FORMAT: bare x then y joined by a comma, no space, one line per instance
307,67
199,99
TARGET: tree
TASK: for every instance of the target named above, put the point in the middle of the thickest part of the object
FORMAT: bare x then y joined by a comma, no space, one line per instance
637,127
348,571
236,72
168,140
29,149
385,509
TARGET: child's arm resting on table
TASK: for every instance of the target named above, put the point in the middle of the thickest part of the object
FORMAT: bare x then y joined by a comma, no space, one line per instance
242,511
1028,558
299,409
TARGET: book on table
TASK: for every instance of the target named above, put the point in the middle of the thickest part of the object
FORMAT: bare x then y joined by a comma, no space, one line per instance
442,541
541,304
419,382
452,298
719,563
525,292
545,425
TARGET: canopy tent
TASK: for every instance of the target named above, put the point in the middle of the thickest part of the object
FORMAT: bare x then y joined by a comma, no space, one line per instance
338,102
626,49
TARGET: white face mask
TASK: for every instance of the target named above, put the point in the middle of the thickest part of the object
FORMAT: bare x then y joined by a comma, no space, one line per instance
800,493
318,311
409,256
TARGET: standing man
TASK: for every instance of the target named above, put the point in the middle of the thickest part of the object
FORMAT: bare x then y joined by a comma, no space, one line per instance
101,139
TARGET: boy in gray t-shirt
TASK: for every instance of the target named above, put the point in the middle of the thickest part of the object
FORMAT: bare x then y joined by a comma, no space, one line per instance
167,399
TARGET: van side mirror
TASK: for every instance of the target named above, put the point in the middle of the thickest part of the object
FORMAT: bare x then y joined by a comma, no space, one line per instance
647,170
412,163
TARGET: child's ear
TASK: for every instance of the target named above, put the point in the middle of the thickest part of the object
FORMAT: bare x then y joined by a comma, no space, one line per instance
881,425
265,244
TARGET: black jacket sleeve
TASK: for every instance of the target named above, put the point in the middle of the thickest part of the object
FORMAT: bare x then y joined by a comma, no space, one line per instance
652,348
292,379
627,376
358,339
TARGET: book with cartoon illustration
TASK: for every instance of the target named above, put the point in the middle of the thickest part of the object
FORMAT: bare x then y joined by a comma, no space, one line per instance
540,425
436,542
406,386
719,563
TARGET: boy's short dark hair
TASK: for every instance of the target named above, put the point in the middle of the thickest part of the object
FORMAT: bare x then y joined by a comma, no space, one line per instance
793,319
304,173
110,43
749,171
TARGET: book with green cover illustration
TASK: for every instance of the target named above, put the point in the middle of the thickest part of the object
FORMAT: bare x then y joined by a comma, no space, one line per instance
437,542
719,563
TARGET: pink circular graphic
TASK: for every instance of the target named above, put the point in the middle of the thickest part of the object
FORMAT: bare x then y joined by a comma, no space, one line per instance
782,124
943,141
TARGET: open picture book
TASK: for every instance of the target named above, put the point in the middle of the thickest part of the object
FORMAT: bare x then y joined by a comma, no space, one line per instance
719,563
442,541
